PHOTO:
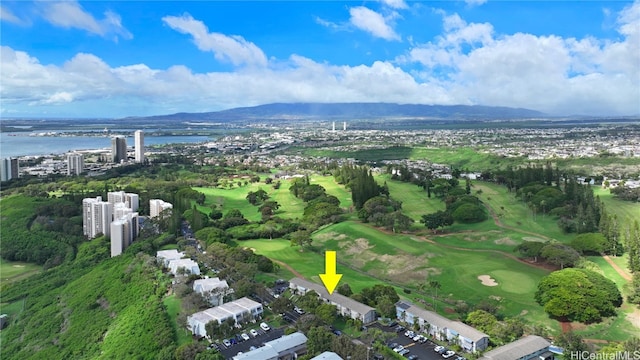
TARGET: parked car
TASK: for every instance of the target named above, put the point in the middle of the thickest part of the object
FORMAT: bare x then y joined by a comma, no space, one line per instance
393,345
226,342
398,348
442,351
409,334
337,332
298,310
417,337
264,326
448,354
460,358
399,328
438,348
393,323
254,332
404,352
245,336
413,357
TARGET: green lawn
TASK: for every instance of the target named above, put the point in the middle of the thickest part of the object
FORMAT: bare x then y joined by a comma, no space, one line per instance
415,202
11,271
627,211
514,213
172,302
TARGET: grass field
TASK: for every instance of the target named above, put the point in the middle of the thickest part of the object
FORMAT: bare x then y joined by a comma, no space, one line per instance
415,202
627,211
11,271
173,308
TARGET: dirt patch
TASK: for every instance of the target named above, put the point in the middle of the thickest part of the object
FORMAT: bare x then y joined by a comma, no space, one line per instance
634,318
505,241
495,297
533,238
524,312
18,266
449,310
332,235
358,246
486,280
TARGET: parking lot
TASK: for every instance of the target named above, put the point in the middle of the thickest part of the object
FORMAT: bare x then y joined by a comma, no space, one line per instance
244,346
424,351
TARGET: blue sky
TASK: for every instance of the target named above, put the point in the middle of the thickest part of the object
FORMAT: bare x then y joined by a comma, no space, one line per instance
114,59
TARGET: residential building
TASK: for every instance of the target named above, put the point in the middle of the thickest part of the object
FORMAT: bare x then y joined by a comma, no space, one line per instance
96,217
527,348
345,306
327,355
9,169
213,289
287,347
118,149
190,266
165,256
157,206
240,310
139,148
442,328
124,230
131,200
75,164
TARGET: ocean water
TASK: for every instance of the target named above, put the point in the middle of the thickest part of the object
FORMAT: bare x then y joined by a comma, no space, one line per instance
16,144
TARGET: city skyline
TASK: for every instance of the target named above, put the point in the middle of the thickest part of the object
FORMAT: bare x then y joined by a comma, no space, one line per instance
116,59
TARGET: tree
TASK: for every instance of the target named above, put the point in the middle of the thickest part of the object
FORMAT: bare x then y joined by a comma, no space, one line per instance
634,289
437,220
589,243
531,249
578,295
469,213
435,284
281,305
482,320
344,289
318,340
572,343
559,254
326,313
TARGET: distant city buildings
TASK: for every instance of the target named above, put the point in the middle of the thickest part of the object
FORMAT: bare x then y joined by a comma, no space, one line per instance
75,164
118,149
157,206
9,169
139,148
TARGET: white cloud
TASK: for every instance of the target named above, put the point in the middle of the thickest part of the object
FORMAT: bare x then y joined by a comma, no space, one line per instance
395,4
372,22
548,73
475,2
234,49
69,14
7,15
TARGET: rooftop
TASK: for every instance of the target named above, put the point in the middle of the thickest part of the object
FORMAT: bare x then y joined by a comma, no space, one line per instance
335,297
517,349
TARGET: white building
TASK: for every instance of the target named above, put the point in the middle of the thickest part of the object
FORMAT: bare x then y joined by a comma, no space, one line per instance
190,266
75,164
213,289
442,328
131,200
327,355
124,231
346,306
139,146
283,348
528,348
96,217
243,309
165,256
9,169
157,206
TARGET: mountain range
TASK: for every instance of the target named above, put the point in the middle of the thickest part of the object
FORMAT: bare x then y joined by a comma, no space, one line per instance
359,111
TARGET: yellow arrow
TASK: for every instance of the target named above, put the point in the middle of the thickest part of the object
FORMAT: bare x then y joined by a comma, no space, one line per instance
330,278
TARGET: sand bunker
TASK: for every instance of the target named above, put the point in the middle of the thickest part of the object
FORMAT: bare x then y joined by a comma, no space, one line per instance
486,280
18,266
533,238
505,241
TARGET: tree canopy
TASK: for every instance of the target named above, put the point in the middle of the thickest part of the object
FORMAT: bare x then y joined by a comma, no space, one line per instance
578,295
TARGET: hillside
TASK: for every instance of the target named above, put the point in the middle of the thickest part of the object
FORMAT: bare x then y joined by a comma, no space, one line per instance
301,111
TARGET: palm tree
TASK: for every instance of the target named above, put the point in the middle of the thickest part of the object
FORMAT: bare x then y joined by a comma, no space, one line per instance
435,284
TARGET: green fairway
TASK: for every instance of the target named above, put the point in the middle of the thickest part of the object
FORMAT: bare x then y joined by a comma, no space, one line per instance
514,213
627,211
11,271
415,202
335,189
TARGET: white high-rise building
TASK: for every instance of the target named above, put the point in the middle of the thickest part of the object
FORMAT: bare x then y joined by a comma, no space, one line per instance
96,217
139,142
123,232
75,164
157,206
131,200
9,169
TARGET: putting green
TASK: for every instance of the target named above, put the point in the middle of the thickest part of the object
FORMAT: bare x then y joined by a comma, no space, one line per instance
514,282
